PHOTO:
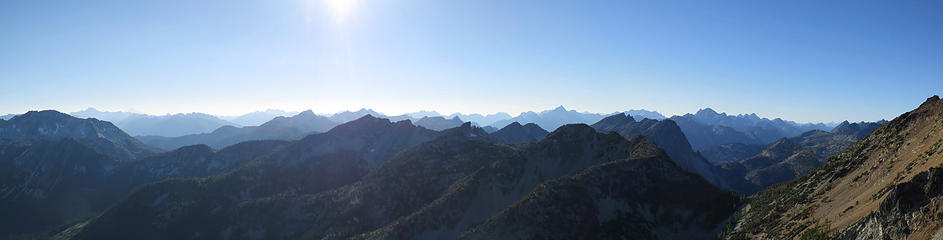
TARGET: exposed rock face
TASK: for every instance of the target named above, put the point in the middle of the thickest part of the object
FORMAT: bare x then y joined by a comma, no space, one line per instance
910,207
885,185
517,133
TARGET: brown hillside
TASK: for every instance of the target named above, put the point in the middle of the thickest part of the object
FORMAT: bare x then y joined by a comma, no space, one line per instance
873,179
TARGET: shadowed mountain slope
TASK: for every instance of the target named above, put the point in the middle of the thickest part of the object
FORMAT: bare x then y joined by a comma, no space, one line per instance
433,190
48,183
668,136
99,135
314,164
517,133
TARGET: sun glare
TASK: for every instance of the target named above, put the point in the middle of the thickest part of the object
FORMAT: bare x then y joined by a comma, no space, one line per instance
340,10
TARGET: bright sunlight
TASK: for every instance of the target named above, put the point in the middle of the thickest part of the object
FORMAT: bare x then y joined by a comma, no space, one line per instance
340,10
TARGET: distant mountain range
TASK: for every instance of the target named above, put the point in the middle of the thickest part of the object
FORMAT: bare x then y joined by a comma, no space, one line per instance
708,128
149,125
705,128
258,117
551,119
171,125
482,120
643,114
279,128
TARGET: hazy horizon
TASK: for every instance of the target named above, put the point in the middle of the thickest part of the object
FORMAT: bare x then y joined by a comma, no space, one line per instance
446,114
799,61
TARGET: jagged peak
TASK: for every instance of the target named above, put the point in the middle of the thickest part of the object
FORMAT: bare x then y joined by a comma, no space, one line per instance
930,100
306,113
618,118
560,108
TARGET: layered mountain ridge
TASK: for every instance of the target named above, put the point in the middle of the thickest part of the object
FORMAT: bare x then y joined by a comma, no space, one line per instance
399,197
279,128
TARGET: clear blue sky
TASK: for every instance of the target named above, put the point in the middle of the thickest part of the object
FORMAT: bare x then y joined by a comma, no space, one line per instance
799,60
